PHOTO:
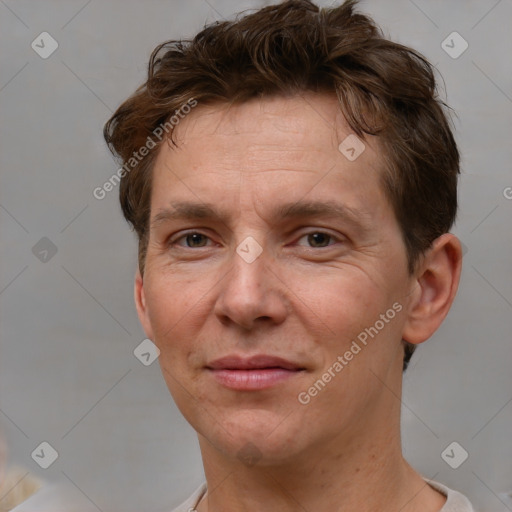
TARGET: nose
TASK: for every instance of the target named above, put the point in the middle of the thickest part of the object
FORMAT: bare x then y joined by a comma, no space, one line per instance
251,295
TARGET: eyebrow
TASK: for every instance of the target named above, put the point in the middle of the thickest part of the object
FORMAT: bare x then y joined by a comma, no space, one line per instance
186,210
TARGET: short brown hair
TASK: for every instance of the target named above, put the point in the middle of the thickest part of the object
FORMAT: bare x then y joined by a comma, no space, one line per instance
384,89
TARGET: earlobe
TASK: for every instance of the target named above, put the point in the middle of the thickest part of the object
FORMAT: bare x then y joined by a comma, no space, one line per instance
140,304
436,285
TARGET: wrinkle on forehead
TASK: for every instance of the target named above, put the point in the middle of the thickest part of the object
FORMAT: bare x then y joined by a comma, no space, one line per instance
289,115
299,143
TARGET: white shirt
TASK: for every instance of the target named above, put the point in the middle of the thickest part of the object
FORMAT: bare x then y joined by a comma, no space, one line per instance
52,498
455,501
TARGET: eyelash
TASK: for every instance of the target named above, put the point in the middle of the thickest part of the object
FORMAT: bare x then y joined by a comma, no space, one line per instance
174,242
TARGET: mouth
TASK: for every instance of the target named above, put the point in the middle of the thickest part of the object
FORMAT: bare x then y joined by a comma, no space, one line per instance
254,373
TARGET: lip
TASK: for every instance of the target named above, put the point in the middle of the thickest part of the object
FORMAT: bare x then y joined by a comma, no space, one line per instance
257,362
253,373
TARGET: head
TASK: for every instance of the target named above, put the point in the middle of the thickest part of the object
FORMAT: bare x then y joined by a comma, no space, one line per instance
249,119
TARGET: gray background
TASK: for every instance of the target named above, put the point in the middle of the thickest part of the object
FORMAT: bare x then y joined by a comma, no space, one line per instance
68,375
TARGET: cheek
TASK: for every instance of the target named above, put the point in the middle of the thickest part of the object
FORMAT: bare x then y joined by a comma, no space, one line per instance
173,311
170,306
353,308
174,293
178,308
342,300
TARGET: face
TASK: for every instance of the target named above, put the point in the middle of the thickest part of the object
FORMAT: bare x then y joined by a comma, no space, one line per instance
267,242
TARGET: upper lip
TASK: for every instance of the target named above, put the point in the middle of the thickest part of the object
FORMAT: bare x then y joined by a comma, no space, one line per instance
234,362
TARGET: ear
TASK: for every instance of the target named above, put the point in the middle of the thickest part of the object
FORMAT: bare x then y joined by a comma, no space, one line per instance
140,304
436,283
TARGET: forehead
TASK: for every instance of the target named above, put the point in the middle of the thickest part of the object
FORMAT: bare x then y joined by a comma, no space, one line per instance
306,120
271,145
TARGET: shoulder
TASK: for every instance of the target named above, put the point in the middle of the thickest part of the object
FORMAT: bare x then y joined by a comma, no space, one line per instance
190,504
455,501
62,497
54,496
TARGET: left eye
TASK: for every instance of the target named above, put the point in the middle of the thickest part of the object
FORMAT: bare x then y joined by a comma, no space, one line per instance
318,239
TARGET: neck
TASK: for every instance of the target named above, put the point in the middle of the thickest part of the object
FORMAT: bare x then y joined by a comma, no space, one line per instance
362,471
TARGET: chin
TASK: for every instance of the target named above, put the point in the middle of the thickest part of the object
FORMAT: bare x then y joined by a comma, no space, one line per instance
255,438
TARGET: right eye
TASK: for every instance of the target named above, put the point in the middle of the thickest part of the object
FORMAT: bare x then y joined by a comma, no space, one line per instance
190,240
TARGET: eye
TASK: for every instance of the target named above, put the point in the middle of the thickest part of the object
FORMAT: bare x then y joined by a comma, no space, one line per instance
317,239
191,240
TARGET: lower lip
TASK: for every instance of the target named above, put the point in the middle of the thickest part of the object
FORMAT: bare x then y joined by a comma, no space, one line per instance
245,380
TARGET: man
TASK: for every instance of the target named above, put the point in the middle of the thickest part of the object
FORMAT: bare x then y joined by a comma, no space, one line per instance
292,179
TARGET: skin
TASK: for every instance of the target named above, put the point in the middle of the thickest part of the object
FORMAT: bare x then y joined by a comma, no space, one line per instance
305,299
